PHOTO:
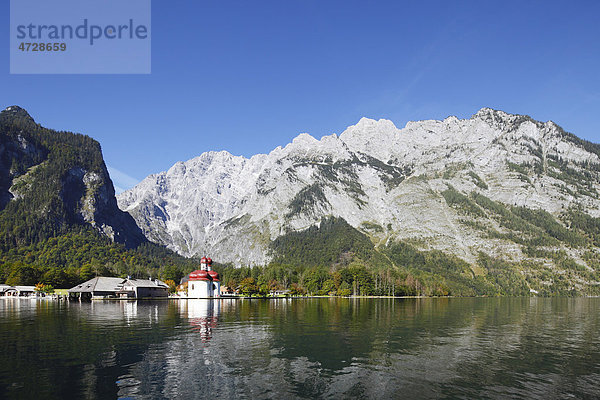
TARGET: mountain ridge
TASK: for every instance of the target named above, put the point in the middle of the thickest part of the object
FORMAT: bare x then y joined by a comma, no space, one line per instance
389,183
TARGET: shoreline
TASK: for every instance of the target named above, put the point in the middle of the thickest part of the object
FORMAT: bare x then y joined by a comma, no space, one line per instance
49,298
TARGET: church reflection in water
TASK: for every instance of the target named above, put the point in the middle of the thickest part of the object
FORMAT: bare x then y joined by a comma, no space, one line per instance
202,314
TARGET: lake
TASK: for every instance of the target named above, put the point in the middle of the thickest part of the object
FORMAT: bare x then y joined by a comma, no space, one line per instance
301,348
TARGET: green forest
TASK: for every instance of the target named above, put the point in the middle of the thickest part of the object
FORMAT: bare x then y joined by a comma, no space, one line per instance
336,259
69,259
331,259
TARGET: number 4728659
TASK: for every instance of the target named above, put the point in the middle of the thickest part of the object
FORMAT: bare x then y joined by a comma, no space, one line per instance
43,46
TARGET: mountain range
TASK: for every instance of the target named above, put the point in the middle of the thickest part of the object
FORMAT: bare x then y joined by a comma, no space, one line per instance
497,185
494,204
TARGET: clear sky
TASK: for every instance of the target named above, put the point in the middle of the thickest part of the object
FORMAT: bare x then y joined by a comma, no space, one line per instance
248,76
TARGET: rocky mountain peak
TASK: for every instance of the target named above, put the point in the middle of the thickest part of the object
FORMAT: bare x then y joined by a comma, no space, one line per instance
15,113
368,127
38,180
304,138
486,112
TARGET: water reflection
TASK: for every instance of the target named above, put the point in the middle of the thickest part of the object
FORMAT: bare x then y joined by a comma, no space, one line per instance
202,314
302,348
130,312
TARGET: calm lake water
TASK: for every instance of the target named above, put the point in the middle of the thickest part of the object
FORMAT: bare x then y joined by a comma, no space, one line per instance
301,348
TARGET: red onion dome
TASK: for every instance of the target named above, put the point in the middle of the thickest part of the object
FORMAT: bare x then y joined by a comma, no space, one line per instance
203,260
209,260
214,275
200,275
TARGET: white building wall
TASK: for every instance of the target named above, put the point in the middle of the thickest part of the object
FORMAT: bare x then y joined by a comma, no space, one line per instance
200,289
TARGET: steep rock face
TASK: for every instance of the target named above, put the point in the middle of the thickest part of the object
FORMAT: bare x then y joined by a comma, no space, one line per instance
16,147
390,183
52,181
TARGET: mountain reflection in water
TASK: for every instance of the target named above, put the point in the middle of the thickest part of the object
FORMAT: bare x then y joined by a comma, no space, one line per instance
301,348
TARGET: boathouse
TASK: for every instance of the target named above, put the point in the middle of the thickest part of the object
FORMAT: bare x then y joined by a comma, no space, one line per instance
17,291
143,288
103,287
99,287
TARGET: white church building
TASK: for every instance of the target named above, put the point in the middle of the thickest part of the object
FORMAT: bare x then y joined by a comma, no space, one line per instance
204,282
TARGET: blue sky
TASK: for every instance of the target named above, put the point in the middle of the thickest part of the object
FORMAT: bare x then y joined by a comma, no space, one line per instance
249,76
